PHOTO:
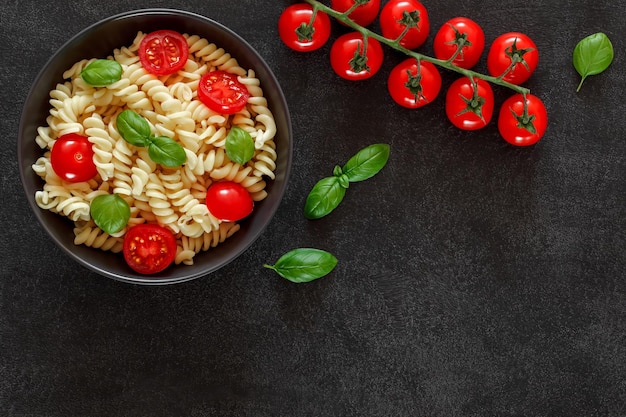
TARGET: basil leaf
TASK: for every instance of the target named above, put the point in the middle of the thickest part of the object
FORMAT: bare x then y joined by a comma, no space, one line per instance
239,145
110,212
133,128
324,198
304,264
592,55
166,151
102,72
367,162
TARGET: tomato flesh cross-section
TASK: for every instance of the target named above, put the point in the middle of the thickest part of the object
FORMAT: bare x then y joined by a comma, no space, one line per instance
222,92
163,52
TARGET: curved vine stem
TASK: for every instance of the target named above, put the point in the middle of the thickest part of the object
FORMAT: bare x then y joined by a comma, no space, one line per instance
395,44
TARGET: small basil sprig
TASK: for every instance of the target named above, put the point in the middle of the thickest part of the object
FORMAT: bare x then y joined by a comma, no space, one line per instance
110,212
239,145
304,264
162,149
329,192
592,55
101,72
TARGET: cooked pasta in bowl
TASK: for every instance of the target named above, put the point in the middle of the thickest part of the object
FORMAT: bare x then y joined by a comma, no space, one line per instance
155,146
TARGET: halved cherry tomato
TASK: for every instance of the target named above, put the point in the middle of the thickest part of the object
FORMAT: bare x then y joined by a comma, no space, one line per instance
296,32
72,158
349,64
149,248
363,14
519,127
460,31
513,54
411,86
393,22
163,52
229,201
469,106
222,92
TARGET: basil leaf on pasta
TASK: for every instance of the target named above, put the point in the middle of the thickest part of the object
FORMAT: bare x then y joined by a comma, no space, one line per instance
304,264
239,145
324,197
166,151
102,72
110,212
134,128
367,162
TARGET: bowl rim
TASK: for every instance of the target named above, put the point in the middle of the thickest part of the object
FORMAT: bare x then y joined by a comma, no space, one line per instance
279,191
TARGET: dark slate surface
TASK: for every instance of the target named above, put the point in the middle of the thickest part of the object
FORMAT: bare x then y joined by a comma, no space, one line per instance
475,279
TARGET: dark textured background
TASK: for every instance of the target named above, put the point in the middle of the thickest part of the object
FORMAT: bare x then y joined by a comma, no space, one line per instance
474,278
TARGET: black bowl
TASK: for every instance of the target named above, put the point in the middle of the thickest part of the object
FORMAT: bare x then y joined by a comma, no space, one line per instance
98,41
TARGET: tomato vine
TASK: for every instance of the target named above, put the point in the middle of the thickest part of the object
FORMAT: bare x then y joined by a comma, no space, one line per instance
395,44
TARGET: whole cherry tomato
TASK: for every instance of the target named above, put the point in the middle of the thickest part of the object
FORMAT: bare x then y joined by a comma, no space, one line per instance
522,126
414,86
396,15
363,14
163,52
456,32
513,54
469,103
72,158
222,92
349,64
297,32
149,248
229,201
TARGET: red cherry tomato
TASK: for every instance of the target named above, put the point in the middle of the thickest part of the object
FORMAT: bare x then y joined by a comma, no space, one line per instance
222,92
417,89
460,30
295,32
469,106
229,201
522,128
392,25
513,54
363,15
343,58
163,52
72,158
149,248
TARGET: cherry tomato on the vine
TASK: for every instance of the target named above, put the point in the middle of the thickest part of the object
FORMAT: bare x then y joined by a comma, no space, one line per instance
513,54
469,105
463,32
297,32
520,126
229,201
350,59
149,248
222,92
396,15
414,86
72,158
163,52
363,15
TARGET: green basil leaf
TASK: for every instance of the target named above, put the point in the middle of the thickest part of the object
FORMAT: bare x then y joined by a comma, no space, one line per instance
304,264
367,162
592,55
166,151
133,128
102,72
239,145
110,212
324,198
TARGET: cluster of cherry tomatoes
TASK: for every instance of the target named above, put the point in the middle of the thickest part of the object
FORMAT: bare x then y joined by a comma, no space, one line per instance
413,83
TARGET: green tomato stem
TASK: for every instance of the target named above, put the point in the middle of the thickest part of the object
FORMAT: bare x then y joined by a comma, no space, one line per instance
395,44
